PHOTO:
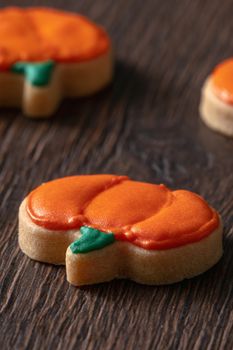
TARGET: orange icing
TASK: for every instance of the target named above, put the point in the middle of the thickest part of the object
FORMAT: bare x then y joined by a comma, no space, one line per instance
147,215
38,34
222,80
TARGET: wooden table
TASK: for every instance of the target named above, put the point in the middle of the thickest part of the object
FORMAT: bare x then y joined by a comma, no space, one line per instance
146,125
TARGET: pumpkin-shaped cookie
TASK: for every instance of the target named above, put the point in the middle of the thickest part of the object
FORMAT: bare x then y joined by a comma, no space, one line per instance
46,55
108,226
216,106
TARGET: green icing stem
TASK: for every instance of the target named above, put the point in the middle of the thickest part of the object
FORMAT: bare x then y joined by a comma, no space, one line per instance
38,74
91,239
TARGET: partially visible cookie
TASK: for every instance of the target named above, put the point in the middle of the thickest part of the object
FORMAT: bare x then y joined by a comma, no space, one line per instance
46,54
108,226
216,107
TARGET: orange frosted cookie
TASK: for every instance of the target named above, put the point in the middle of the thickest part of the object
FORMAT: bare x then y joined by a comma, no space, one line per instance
109,226
216,106
46,54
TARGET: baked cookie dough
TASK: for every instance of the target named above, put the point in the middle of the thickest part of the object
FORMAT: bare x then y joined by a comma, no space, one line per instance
46,54
216,107
106,226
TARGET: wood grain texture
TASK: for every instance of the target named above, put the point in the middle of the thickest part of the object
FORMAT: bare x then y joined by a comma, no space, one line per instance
146,125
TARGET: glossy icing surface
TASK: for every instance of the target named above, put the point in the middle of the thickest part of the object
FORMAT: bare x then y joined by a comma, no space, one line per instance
222,81
147,215
91,239
39,34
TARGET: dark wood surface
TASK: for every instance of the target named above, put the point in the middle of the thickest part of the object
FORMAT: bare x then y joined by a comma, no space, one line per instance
146,125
